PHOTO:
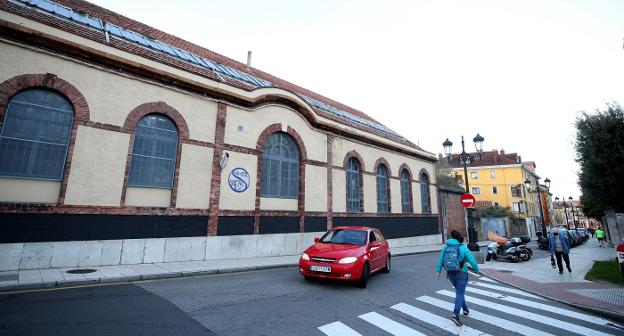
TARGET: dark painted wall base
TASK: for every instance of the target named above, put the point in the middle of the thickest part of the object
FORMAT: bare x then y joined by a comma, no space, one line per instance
394,227
22,228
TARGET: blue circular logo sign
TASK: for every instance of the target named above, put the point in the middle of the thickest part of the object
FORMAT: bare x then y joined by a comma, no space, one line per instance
239,179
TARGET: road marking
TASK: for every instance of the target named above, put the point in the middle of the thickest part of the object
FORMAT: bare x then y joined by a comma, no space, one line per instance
504,289
570,327
338,329
487,279
394,328
440,322
496,321
541,306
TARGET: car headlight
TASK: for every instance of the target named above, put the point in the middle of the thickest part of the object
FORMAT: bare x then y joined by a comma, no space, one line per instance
305,256
347,260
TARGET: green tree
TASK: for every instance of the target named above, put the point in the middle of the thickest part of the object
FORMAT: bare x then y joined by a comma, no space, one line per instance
444,176
600,154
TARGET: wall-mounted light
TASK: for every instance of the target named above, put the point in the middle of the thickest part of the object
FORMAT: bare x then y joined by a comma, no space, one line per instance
224,159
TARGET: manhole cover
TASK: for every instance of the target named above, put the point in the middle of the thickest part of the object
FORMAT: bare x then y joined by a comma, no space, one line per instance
81,271
505,271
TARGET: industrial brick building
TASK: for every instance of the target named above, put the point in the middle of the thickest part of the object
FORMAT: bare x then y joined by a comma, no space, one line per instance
122,144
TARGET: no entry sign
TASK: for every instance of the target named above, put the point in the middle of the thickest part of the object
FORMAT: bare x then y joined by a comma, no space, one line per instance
467,200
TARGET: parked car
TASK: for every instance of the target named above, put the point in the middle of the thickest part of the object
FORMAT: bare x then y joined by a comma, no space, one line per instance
347,253
584,232
575,239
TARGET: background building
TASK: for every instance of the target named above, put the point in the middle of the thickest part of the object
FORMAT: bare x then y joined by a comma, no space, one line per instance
498,180
123,144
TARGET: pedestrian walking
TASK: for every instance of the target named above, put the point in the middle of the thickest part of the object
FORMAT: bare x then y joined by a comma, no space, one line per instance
600,235
591,232
453,258
559,246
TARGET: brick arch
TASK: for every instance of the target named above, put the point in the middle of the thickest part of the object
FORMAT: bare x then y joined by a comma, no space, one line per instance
262,139
353,154
130,125
12,86
383,161
157,108
405,167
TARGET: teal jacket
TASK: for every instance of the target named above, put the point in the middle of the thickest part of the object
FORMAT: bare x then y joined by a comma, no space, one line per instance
464,254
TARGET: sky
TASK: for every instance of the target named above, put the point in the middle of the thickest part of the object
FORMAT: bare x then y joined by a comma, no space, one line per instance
519,73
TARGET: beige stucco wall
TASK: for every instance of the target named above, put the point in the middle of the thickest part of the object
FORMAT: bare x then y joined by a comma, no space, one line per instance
29,191
98,167
255,121
246,200
111,96
194,177
395,199
315,188
148,197
267,203
370,193
339,191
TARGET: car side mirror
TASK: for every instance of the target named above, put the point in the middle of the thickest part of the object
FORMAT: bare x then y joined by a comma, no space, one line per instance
317,239
374,244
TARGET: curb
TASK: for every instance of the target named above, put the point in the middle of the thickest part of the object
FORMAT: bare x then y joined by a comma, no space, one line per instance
156,276
598,311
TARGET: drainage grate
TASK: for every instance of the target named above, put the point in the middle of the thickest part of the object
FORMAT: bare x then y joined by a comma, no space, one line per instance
81,271
505,271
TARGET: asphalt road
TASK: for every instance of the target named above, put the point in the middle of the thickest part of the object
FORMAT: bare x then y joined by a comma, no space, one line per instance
269,302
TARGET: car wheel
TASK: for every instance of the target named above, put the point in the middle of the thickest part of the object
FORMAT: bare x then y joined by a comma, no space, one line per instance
388,265
364,277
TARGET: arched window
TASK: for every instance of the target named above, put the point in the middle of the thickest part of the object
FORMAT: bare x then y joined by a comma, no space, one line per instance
154,153
353,186
382,188
406,195
280,165
35,136
424,193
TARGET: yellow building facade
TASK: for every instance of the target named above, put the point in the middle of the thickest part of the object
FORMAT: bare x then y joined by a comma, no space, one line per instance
501,184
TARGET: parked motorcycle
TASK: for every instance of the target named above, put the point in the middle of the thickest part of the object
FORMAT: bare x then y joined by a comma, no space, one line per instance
514,251
542,242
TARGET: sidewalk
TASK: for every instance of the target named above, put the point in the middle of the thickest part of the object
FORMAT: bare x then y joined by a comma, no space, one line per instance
59,277
538,277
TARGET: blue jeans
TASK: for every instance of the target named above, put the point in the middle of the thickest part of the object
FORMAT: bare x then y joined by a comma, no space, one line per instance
459,280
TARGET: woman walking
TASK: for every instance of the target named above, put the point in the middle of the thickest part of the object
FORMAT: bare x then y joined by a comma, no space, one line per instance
453,257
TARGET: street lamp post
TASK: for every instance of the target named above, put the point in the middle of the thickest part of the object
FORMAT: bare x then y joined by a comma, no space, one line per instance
574,215
565,211
527,184
464,159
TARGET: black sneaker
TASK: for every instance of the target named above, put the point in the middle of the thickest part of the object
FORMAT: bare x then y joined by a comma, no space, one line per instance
456,320
569,269
465,313
560,272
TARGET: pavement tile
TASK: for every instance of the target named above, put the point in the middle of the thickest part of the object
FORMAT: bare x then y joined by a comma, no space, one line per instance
611,295
30,277
51,275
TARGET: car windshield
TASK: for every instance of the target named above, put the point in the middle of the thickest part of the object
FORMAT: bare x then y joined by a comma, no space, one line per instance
349,237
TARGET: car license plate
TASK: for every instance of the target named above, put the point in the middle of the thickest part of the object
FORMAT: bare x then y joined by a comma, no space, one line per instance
326,269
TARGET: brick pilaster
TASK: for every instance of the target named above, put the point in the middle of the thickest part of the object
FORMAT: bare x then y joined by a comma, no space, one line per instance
215,181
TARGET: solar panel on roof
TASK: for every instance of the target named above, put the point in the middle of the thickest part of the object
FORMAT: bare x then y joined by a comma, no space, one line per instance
68,13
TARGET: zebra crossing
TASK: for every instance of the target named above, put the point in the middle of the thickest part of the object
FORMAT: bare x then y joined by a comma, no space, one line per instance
498,309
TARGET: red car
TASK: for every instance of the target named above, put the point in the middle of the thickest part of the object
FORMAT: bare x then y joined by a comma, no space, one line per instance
348,253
